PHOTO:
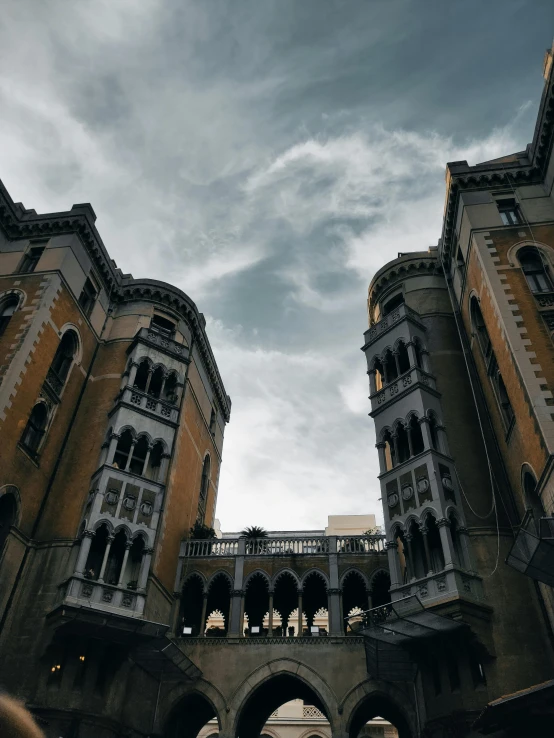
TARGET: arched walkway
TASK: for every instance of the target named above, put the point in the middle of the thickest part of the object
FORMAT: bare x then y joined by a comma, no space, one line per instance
268,696
383,699
189,716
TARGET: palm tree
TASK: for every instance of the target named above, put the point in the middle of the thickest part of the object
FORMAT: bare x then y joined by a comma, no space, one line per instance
254,531
251,533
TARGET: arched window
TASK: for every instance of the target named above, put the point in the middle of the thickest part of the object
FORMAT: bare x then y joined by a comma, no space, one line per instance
402,443
96,553
154,468
35,428
416,436
433,433
204,485
7,309
8,512
63,358
403,358
141,378
535,270
503,399
140,449
532,500
480,328
156,382
390,457
391,372
170,389
417,350
123,449
379,374
393,303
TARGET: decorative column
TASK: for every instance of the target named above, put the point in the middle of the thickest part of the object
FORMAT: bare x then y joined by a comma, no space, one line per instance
424,531
162,388
164,465
394,437
203,616
463,535
147,459
425,432
443,440
270,624
112,448
425,361
372,383
147,386
124,564
397,362
446,540
105,559
237,594
409,558
132,374
145,568
242,605
131,450
369,600
412,353
394,563
299,623
381,446
409,434
84,550
333,593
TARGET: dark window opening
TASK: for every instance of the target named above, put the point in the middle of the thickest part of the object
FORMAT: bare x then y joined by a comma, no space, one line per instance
535,270
391,371
417,349
416,436
532,499
392,304
30,260
403,358
402,444
453,671
7,309
460,263
138,458
63,358
156,382
433,433
170,390
162,325
212,422
390,456
502,394
96,554
35,428
480,328
509,212
380,589
141,377
115,559
123,450
8,512
88,296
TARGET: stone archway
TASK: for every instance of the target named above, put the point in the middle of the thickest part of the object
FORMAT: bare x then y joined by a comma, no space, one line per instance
374,698
271,686
184,711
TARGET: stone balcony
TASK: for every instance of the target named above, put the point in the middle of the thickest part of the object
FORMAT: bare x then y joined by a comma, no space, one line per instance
389,322
414,377
137,399
288,546
441,585
78,590
163,343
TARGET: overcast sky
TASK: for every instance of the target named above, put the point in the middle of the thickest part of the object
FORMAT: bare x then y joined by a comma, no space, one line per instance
267,156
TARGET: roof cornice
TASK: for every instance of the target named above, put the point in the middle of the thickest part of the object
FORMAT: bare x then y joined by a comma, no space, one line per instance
19,223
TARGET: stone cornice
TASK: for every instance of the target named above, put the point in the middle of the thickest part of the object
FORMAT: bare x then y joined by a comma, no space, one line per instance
19,223
397,270
526,167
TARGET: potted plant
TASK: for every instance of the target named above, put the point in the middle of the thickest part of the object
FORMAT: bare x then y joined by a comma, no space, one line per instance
253,533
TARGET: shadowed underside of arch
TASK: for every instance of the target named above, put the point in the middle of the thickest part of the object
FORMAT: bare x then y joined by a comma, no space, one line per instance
268,697
379,705
189,716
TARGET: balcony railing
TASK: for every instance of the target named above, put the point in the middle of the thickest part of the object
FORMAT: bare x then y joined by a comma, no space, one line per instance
388,321
285,546
401,384
102,596
161,408
163,342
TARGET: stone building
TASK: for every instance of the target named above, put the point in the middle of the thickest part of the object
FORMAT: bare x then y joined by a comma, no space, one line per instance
460,359
112,415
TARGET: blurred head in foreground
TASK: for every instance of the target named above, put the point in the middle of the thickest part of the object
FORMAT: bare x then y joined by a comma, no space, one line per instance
15,721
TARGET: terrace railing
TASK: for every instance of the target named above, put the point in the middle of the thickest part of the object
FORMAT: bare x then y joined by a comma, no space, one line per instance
288,546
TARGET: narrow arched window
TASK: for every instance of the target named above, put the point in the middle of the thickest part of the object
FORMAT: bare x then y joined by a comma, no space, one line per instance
204,485
7,309
535,270
8,513
503,399
63,358
35,428
532,500
480,328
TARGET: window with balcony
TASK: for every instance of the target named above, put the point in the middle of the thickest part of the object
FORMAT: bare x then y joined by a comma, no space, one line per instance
535,270
31,258
35,429
88,296
8,306
162,325
509,211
